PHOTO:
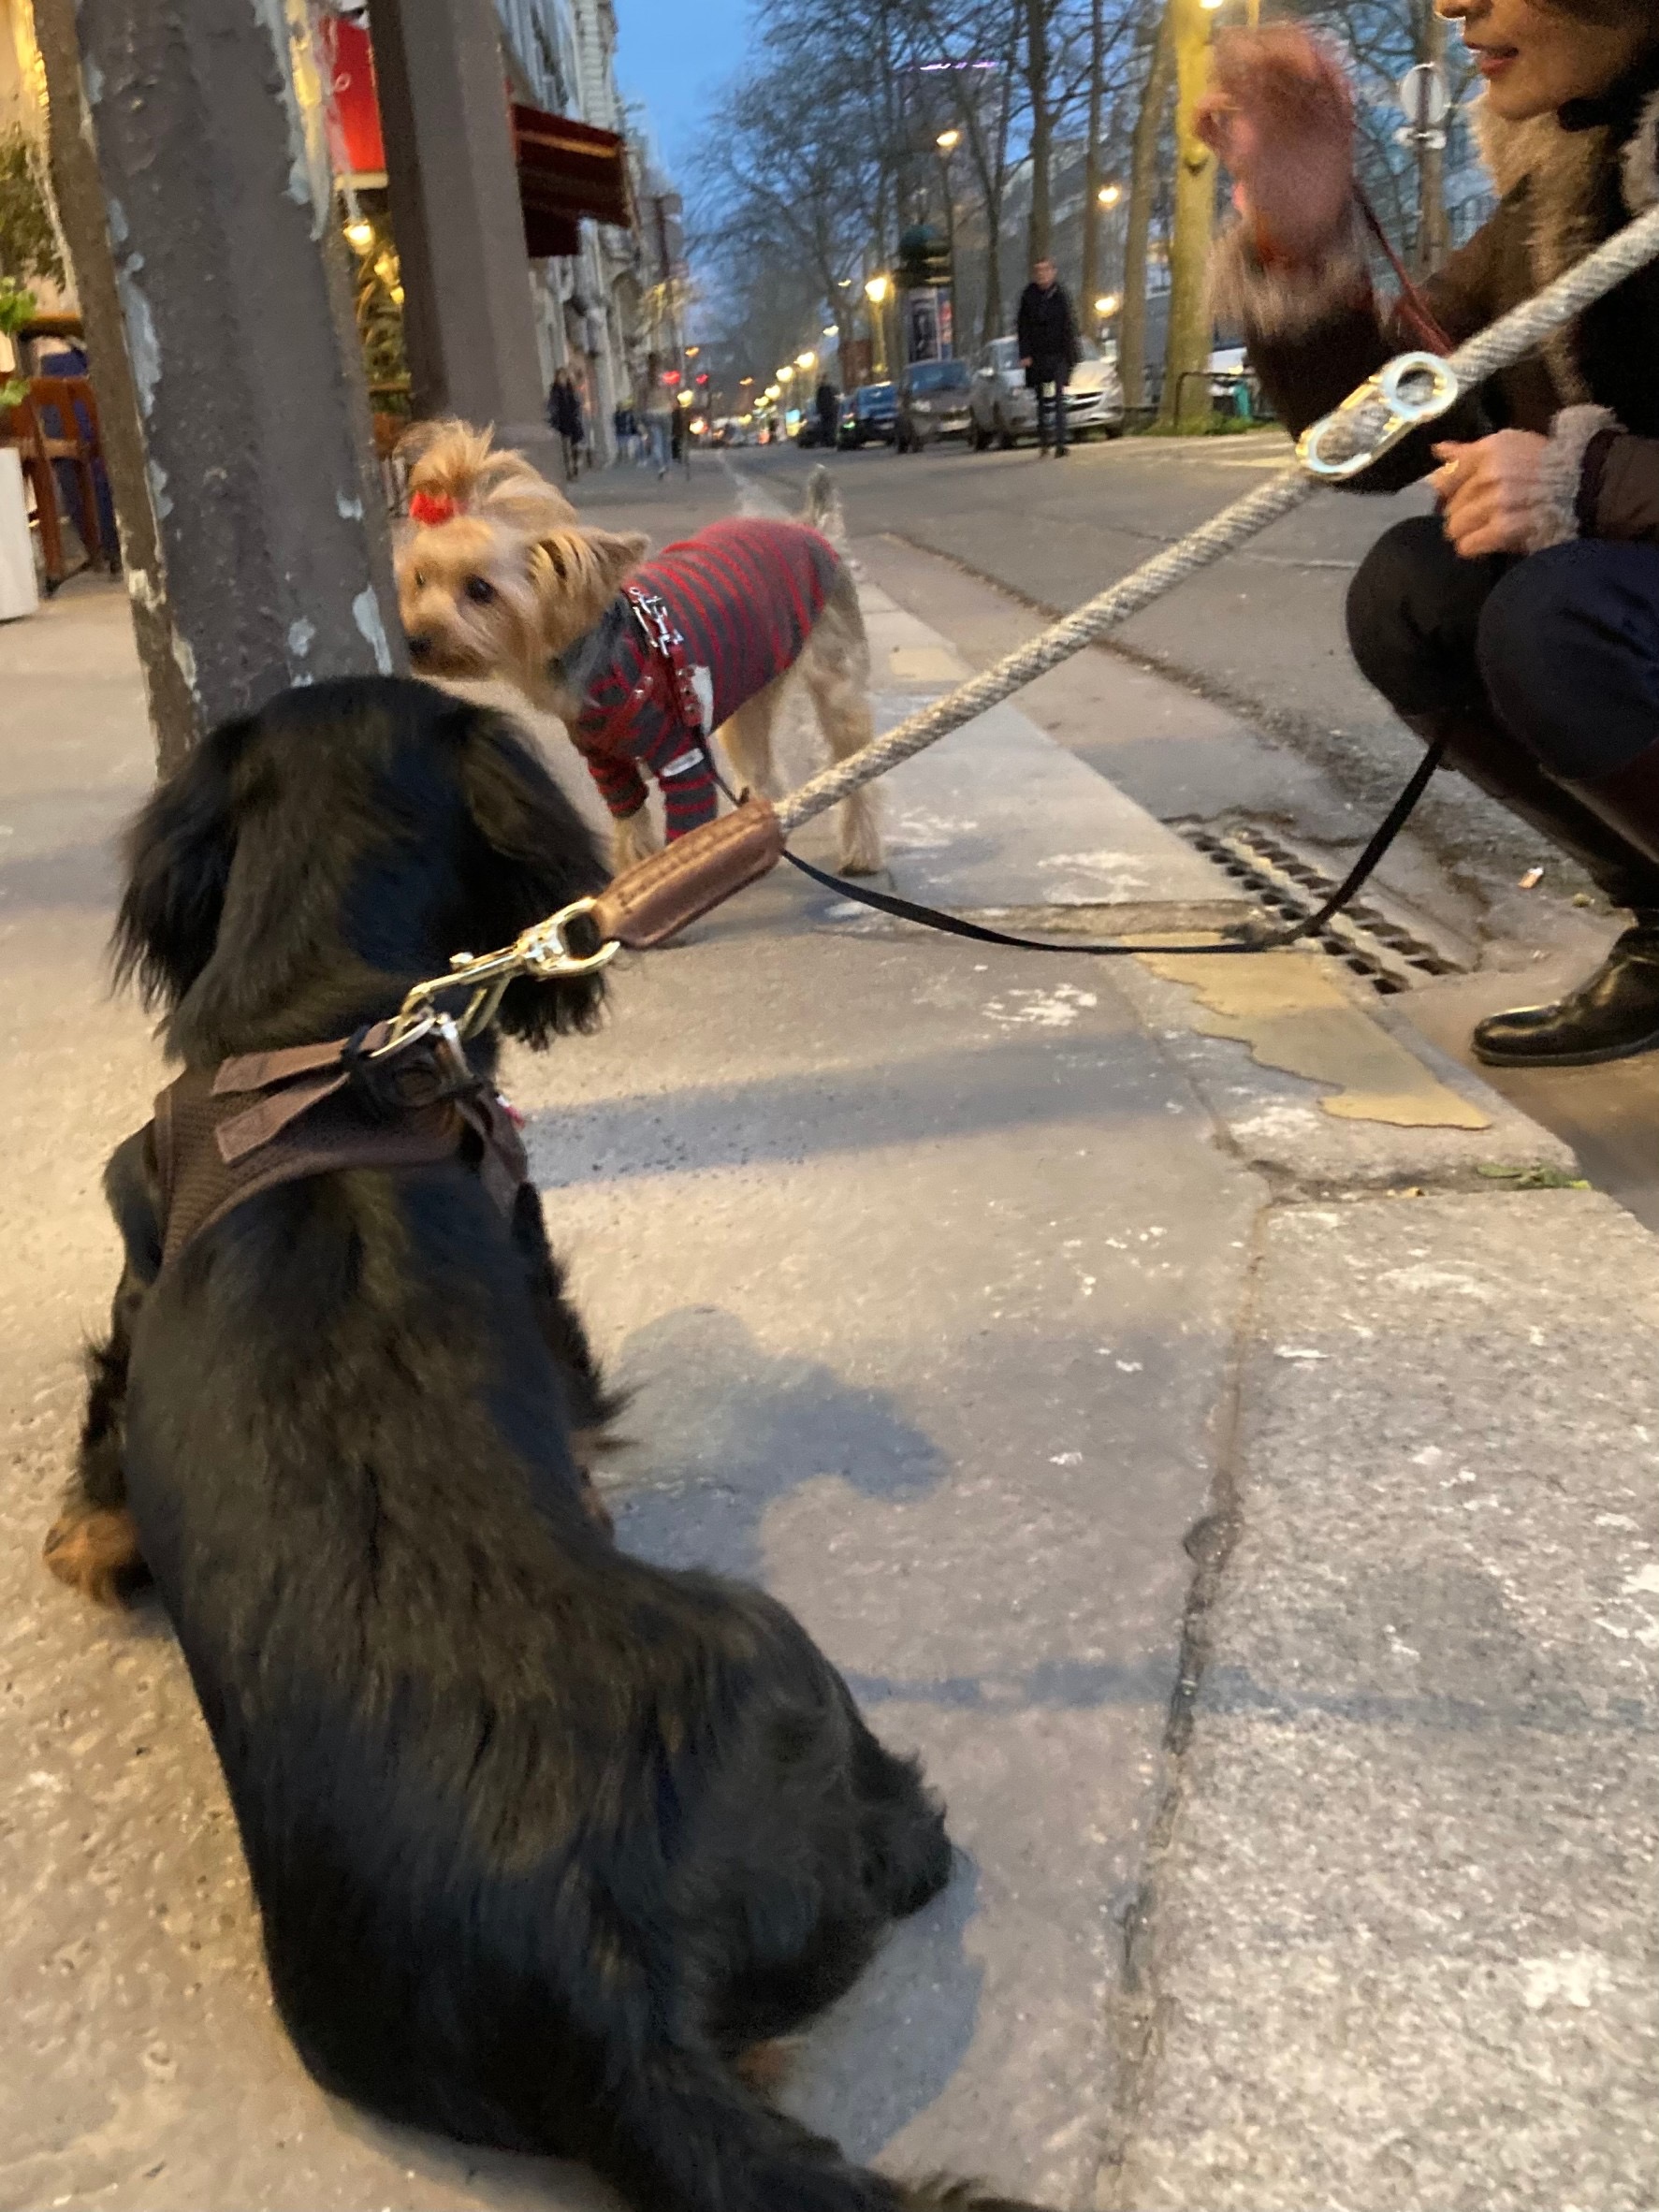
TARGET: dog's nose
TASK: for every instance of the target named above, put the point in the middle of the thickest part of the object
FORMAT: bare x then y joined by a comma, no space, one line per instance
420,644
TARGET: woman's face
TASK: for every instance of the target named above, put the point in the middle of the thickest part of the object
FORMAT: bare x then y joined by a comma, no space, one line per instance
1535,58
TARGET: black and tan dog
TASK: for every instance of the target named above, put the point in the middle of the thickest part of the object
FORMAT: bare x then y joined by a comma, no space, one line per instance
545,1841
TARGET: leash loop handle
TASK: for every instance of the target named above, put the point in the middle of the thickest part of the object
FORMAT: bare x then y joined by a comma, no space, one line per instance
1412,390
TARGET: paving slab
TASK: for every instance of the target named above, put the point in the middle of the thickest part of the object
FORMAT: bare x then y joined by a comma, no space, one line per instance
1400,1947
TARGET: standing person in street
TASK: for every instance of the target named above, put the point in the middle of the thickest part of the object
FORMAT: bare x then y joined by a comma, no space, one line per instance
659,416
564,412
1521,623
627,430
1049,351
828,403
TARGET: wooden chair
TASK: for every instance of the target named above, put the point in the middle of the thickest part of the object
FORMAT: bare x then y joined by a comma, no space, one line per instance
39,451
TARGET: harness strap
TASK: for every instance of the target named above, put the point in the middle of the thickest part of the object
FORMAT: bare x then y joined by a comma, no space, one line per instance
321,1109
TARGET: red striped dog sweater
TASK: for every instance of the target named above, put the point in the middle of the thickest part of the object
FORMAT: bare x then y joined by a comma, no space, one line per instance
744,596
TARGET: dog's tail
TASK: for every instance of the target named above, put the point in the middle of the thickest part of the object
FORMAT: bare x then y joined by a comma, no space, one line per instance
823,509
692,2137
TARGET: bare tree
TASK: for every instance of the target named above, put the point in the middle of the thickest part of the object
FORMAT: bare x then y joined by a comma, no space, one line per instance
1144,181
1185,395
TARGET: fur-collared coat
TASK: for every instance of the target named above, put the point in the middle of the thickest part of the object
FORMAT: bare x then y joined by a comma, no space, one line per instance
1568,181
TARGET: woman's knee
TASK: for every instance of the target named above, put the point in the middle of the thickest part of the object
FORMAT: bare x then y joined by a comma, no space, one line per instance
1568,654
1413,608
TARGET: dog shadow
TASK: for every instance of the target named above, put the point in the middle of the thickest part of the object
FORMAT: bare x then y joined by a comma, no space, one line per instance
719,1428
892,2045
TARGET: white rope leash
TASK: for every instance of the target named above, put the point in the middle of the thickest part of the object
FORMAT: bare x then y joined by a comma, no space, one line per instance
1506,341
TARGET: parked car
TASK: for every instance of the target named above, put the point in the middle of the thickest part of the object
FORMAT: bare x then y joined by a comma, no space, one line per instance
869,414
933,398
1005,409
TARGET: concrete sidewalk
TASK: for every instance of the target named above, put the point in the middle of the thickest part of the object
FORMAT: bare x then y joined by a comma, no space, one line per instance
1262,1558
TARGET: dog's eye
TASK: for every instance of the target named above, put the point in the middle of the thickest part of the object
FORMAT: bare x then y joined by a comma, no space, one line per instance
480,590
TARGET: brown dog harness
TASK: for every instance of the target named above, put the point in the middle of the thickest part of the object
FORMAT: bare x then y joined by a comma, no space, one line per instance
223,1135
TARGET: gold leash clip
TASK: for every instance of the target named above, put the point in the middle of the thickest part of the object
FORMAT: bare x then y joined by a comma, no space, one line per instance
542,950
1413,389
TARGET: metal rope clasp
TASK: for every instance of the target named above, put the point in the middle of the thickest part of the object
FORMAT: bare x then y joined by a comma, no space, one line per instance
542,950
1413,389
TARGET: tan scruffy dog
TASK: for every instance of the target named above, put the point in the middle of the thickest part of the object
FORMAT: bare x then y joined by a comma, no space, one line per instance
501,578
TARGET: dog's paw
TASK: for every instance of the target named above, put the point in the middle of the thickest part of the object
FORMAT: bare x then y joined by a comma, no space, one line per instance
95,1549
635,839
861,851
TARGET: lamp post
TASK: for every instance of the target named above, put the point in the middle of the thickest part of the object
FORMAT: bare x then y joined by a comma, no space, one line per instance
876,290
947,142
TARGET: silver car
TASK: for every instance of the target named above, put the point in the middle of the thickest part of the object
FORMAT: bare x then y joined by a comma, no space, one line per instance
1004,409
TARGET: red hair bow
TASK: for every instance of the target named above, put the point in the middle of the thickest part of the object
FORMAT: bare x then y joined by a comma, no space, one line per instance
431,507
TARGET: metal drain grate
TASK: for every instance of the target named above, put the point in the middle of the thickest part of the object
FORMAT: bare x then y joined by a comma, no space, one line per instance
1374,944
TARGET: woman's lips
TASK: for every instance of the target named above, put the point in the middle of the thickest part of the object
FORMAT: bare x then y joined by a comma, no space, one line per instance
1491,61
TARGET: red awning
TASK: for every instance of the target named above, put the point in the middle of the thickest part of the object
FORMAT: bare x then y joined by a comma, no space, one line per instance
566,170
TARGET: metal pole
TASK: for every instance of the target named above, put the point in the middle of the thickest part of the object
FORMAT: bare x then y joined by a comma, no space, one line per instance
192,176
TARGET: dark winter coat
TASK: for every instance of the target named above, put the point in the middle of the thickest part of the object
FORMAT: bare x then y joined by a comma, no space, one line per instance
564,410
1047,330
1568,181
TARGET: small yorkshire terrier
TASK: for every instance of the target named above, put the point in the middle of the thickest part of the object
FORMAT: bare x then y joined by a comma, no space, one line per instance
500,577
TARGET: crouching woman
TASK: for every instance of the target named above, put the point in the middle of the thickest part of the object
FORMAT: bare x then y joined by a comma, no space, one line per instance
1521,621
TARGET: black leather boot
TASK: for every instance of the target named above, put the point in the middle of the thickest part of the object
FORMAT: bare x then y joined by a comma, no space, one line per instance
1612,829
1613,1016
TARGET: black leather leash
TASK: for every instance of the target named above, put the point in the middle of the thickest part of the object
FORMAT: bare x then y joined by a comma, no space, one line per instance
1245,937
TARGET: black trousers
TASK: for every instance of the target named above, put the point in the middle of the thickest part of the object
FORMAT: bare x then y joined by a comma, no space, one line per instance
1558,650
1049,379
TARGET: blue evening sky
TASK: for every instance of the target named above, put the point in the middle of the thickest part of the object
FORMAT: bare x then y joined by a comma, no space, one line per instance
672,56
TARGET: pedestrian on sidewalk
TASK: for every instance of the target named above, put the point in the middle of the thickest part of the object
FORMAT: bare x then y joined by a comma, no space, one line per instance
625,424
1049,351
827,401
659,413
564,412
1521,623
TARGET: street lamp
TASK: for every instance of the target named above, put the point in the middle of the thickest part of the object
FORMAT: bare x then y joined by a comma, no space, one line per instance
876,289
949,140
1109,195
1107,305
786,374
807,361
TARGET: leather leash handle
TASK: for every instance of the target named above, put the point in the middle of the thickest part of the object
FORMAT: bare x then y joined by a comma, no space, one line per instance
652,901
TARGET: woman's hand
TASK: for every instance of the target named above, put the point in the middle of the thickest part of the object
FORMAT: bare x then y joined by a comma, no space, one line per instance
1491,493
1281,118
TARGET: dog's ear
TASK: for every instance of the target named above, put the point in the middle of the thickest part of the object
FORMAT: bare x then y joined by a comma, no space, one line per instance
535,855
179,851
593,560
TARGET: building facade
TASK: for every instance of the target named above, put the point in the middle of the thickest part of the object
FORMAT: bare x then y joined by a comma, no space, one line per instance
560,57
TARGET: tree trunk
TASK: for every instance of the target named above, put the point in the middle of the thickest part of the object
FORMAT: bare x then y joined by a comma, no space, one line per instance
1036,84
1089,283
225,355
1149,124
1186,404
